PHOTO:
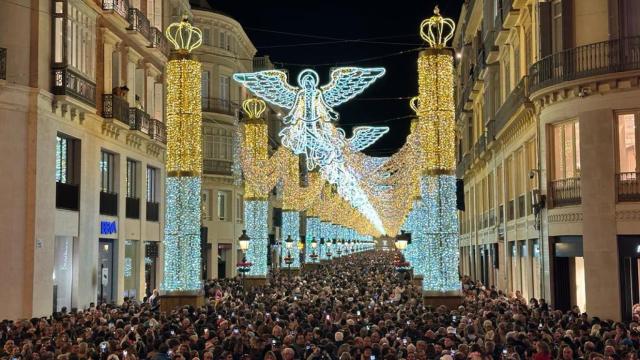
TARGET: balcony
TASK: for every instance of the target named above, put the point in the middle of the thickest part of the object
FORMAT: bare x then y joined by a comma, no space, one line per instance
261,63
68,82
586,61
463,165
491,130
120,7
153,211
490,49
481,61
480,146
628,186
217,167
139,120
565,192
67,196
3,64
159,41
158,131
221,106
115,107
108,203
518,97
132,208
139,23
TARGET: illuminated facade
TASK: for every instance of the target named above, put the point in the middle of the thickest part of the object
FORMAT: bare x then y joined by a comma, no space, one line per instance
87,160
547,150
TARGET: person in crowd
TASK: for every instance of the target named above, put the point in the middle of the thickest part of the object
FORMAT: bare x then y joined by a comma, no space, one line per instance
355,307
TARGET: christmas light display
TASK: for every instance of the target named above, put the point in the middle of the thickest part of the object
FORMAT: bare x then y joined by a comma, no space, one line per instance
434,220
308,129
256,223
291,227
313,232
182,271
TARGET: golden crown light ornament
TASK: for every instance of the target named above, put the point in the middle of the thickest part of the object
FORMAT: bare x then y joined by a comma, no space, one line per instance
437,30
183,36
434,227
254,108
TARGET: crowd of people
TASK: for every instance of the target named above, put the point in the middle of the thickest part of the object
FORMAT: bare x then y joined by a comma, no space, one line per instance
356,307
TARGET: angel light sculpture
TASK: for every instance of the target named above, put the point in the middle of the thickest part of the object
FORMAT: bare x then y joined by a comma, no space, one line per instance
308,125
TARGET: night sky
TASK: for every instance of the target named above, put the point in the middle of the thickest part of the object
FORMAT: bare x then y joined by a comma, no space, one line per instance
395,25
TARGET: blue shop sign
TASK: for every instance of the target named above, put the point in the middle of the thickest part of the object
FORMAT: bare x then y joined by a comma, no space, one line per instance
108,227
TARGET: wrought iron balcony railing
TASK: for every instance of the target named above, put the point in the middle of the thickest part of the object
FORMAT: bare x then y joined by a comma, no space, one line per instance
69,82
222,106
158,131
565,192
586,61
158,40
138,22
121,7
115,107
628,186
139,120
516,98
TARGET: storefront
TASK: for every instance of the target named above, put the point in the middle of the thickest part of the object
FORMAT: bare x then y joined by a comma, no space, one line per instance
568,273
131,269
107,260
629,263
150,266
63,272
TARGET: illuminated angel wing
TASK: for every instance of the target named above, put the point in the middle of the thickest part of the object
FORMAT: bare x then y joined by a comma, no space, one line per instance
347,82
270,85
364,136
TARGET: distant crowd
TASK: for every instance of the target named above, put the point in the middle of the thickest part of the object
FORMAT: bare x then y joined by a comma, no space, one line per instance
356,307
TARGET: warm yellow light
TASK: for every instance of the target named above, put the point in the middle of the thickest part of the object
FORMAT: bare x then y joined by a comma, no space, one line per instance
184,118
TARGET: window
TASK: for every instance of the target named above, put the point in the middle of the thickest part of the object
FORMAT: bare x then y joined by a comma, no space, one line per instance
132,178
627,162
223,204
224,88
566,150
74,37
556,25
152,184
205,88
206,36
239,208
223,40
67,159
528,53
107,172
507,72
205,206
516,57
217,143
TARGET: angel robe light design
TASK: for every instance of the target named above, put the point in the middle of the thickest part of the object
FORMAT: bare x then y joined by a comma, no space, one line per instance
308,129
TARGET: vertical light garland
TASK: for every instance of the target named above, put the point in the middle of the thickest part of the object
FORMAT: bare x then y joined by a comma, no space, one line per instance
313,231
254,157
182,271
291,227
435,220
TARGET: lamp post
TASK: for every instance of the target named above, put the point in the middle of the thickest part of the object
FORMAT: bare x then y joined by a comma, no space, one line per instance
321,247
340,248
314,245
329,254
288,259
243,242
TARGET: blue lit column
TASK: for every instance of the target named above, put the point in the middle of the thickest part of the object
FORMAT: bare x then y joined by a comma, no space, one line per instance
313,230
255,220
291,227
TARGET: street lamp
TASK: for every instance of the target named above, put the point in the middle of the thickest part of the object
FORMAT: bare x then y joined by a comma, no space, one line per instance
329,243
314,245
243,241
340,248
402,240
321,246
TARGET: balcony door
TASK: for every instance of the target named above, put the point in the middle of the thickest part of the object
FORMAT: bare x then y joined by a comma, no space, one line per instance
629,15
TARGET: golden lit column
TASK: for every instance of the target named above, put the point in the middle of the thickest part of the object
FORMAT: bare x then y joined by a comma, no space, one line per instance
259,175
436,219
182,270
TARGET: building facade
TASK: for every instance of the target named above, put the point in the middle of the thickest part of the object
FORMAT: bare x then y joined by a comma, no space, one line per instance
547,106
83,128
